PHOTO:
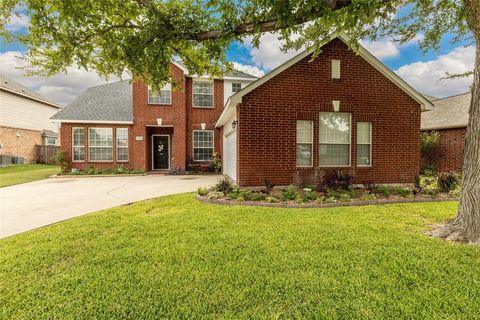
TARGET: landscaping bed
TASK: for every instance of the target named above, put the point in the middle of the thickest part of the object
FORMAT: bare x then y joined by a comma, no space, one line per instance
444,187
96,172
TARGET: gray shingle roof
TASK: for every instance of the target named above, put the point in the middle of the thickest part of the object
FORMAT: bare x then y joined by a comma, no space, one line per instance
8,84
232,73
450,112
108,102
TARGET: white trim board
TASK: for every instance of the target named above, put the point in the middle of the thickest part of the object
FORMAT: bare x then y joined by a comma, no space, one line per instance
236,98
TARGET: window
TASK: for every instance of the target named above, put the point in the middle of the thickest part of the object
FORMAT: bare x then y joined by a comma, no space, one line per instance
203,93
100,144
202,145
122,144
334,139
78,137
304,143
364,144
335,69
236,86
51,141
162,97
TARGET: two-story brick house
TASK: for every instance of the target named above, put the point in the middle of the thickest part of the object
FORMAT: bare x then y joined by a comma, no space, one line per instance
126,123
297,124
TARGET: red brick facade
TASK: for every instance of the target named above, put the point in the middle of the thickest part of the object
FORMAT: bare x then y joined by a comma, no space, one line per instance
447,155
179,120
267,116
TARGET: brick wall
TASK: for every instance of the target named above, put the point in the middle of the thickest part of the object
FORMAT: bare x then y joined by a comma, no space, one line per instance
66,133
19,142
209,116
447,156
267,121
179,120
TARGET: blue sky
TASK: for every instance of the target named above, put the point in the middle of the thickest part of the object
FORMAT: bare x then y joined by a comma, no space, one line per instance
422,71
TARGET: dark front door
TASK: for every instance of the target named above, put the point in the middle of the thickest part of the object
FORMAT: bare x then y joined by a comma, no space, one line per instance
160,152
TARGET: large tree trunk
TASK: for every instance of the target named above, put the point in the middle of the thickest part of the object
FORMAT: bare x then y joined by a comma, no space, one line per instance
466,225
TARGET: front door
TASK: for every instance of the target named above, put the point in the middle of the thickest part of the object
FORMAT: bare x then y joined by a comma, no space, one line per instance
160,152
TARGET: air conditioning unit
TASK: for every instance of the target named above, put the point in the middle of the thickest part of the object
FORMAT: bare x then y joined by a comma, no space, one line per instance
18,160
5,161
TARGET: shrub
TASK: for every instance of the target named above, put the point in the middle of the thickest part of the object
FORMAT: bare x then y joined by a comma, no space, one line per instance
234,194
310,195
175,171
202,191
257,197
215,195
405,192
339,180
62,160
370,187
384,191
320,199
300,199
430,192
269,185
288,194
454,193
270,199
224,185
345,197
330,200
367,197
447,181
216,162
428,141
429,171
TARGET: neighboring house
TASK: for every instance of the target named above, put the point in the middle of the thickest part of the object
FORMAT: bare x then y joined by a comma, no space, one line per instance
449,118
25,120
299,123
127,124
306,120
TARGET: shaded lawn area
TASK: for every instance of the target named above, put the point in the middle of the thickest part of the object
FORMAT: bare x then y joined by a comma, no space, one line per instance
26,173
176,257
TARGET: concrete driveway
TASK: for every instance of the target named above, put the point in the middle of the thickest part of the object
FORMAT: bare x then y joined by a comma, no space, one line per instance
31,205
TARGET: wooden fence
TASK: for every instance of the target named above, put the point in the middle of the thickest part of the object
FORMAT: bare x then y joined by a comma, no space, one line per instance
45,154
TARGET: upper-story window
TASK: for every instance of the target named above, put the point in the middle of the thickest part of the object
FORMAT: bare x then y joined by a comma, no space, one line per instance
164,96
236,86
203,93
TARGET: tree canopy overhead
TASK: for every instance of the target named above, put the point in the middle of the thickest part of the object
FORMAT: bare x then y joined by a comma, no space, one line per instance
142,36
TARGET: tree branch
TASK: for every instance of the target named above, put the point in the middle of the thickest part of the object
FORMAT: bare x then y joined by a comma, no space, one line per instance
271,25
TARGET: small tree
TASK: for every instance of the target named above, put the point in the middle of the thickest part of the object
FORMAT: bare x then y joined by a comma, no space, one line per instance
62,160
428,141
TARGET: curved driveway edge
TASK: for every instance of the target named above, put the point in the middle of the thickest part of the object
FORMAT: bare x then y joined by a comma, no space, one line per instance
32,205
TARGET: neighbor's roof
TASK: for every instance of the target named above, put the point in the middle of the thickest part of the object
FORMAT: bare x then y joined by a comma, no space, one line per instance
7,84
228,74
108,103
236,98
450,112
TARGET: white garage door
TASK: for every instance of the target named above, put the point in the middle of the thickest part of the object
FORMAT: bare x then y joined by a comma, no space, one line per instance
230,155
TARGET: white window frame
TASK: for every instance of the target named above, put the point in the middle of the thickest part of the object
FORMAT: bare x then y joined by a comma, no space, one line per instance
350,143
163,89
370,144
297,142
89,145
193,144
121,147
74,146
233,83
213,93
336,69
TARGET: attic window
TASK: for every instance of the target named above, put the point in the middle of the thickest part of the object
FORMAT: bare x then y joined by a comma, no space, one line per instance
335,69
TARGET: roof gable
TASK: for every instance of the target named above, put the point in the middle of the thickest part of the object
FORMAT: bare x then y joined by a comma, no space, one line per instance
362,52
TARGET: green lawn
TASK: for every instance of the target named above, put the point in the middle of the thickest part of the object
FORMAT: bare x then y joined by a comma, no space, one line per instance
25,173
179,258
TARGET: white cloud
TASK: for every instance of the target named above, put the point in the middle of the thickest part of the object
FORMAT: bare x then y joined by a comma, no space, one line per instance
382,49
253,70
387,48
425,76
18,22
269,54
61,88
